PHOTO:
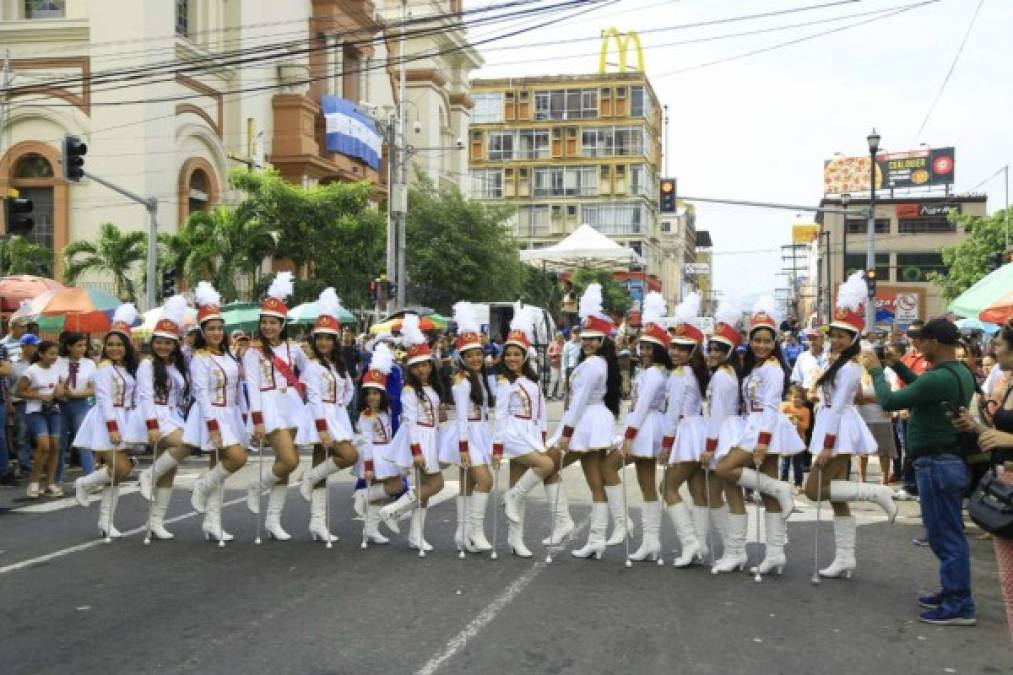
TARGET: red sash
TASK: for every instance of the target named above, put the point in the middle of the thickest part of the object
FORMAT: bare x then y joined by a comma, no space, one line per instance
287,373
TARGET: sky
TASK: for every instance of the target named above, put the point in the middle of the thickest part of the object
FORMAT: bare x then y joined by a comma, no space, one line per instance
759,127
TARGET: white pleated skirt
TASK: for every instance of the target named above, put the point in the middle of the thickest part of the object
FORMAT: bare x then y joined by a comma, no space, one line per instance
479,444
280,409
399,451
594,430
728,435
230,425
690,439
169,420
382,467
339,426
784,439
853,436
647,444
94,435
521,437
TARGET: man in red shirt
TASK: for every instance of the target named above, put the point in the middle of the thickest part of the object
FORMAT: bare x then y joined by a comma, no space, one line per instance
555,354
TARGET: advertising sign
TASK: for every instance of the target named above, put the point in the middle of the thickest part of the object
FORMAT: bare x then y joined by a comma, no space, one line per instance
899,305
804,234
917,168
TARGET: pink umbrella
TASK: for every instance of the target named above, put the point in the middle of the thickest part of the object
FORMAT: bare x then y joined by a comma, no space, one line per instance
14,289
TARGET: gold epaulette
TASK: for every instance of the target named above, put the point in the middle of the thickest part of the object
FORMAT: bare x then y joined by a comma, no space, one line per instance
104,363
201,352
367,413
502,378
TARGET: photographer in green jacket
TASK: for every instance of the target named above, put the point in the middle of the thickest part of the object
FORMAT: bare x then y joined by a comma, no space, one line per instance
940,471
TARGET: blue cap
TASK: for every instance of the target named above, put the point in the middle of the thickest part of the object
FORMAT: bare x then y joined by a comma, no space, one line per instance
29,339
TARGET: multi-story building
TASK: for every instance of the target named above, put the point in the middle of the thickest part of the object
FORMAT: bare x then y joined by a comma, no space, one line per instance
678,242
910,233
567,150
169,96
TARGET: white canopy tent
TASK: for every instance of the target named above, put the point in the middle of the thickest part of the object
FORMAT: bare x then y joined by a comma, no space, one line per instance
586,247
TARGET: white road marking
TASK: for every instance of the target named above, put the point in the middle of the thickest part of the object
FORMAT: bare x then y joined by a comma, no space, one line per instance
490,612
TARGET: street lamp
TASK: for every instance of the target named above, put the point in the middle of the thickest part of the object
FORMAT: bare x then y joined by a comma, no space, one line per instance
845,202
870,241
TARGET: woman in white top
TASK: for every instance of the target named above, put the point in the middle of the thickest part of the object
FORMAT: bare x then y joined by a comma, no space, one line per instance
103,428
325,424
76,371
878,420
767,433
467,443
521,424
215,422
271,368
645,423
839,431
40,386
163,395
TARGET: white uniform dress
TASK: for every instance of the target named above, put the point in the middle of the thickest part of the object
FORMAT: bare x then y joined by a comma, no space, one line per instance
215,387
328,394
593,424
839,416
684,417
724,422
270,393
761,392
115,398
521,419
647,418
420,427
375,438
163,412
471,423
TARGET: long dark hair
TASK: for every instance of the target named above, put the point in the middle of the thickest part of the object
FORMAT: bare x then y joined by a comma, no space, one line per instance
660,356
434,380
201,342
613,381
848,353
384,399
161,371
129,353
527,370
264,344
335,359
44,346
478,381
730,359
749,359
68,339
698,366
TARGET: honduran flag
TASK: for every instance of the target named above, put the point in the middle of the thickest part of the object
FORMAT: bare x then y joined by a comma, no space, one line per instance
350,132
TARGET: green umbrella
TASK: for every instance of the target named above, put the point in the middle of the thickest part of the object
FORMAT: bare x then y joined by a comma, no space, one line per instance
985,292
306,314
440,320
242,315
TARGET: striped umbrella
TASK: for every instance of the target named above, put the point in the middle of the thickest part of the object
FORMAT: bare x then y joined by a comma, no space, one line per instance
85,310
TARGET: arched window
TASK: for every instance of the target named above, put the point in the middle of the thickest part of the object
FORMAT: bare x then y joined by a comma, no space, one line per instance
198,198
198,188
34,169
33,165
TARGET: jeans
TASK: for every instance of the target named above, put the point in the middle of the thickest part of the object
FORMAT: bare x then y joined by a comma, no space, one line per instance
942,482
797,462
5,458
74,412
555,382
22,445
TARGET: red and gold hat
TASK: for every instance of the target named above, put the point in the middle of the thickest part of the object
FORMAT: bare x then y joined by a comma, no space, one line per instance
849,319
466,319
124,317
467,341
171,320
208,302
328,308
762,320
654,333
726,334
326,324
593,322
375,379
687,334
414,340
418,353
280,289
851,298
764,315
380,363
517,338
596,326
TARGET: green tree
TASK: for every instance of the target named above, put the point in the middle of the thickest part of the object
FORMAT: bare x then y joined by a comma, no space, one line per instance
542,289
21,256
458,249
115,253
966,261
615,299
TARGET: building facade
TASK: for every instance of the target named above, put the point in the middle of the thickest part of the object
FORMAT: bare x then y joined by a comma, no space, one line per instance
566,150
910,233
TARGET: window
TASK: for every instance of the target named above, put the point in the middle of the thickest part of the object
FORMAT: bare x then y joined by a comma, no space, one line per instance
642,180
612,141
861,226
33,165
45,9
487,184
488,108
917,266
182,17
532,144
573,181
501,145
856,261
198,197
615,218
571,104
930,225
533,221
637,102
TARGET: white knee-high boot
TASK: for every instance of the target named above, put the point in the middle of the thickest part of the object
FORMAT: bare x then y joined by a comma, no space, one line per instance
275,505
212,525
373,493
461,533
318,473
702,525
476,521
844,549
515,495
562,522
774,559
515,532
734,541
595,545
164,463
416,535
214,478
850,491
780,490
163,496
110,495
267,480
620,522
392,513
318,516
650,519
682,520
85,484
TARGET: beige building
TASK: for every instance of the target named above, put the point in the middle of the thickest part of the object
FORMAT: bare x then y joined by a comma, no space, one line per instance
910,235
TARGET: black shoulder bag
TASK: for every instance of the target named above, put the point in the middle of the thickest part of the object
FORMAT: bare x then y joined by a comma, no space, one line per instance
967,441
990,506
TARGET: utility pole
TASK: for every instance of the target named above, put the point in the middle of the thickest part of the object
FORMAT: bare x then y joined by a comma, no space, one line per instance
870,237
402,186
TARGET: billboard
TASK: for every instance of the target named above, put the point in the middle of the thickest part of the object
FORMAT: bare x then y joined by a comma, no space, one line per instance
804,234
898,306
925,167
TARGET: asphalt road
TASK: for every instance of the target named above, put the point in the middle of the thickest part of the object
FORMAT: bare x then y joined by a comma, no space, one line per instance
71,603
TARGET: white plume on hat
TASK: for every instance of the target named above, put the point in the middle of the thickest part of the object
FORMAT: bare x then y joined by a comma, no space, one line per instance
524,320
729,310
329,304
411,334
466,317
383,358
688,311
654,308
767,305
591,303
126,313
852,293
174,309
206,295
281,287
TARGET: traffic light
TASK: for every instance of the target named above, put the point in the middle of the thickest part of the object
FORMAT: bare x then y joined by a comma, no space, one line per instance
870,281
667,199
18,214
168,282
74,151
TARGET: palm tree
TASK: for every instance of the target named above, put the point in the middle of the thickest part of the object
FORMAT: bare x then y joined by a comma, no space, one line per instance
115,253
21,256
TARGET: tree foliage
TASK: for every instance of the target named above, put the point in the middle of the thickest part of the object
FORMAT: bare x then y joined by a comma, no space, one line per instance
615,299
458,249
116,253
966,261
21,256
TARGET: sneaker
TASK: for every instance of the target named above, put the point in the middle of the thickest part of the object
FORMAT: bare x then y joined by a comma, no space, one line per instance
945,617
920,541
54,491
903,495
931,601
33,490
